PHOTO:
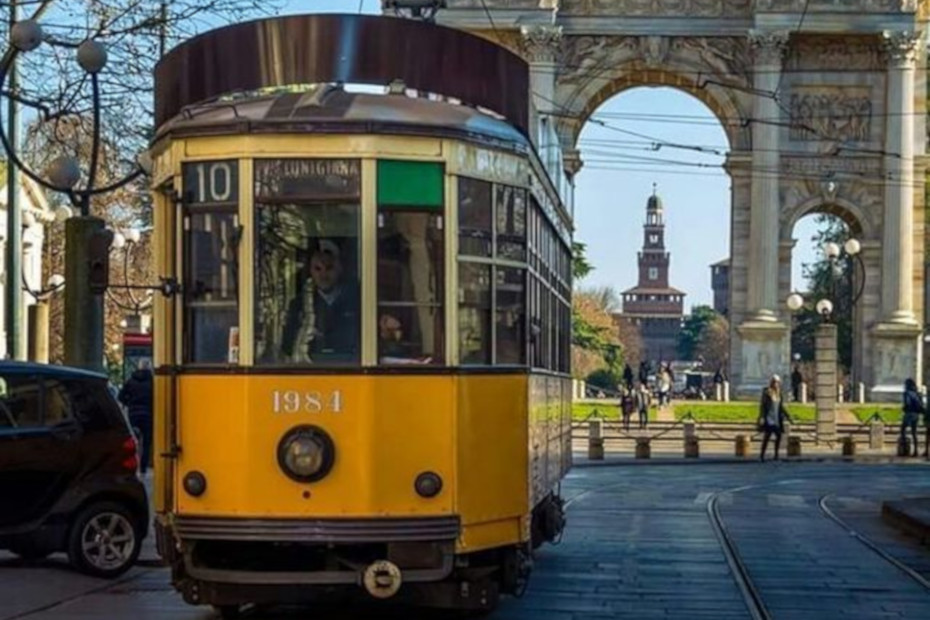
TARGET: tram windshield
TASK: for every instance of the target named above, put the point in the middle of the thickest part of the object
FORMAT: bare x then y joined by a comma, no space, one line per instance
308,308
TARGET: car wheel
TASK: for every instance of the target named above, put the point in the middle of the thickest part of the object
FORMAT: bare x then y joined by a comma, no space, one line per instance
104,540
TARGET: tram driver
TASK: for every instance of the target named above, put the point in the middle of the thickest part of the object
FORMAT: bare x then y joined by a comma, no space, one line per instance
323,317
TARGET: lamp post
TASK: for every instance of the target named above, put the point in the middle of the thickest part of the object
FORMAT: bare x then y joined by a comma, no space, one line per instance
87,241
38,317
825,337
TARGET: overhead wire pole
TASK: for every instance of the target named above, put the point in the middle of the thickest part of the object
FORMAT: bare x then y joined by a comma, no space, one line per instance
13,293
13,323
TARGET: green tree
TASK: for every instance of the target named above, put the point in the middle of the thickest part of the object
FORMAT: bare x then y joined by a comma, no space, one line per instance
827,281
580,265
692,329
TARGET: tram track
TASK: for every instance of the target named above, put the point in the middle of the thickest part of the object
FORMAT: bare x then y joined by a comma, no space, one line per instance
751,596
872,545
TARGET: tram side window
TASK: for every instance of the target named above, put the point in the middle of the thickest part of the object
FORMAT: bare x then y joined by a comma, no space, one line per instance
474,313
411,251
511,315
475,230
308,297
211,270
510,230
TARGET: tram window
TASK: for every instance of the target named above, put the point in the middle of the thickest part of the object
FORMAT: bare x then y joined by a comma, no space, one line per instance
510,211
474,313
511,315
308,305
475,232
211,274
308,301
410,287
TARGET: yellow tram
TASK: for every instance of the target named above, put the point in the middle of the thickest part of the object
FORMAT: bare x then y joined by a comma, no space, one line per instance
363,383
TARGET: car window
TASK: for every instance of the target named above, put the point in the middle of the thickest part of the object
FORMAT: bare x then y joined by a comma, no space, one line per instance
19,402
93,404
57,402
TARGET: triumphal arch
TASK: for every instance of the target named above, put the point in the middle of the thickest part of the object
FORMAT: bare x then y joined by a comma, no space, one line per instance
824,104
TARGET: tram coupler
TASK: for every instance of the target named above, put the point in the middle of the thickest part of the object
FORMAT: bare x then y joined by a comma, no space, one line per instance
382,579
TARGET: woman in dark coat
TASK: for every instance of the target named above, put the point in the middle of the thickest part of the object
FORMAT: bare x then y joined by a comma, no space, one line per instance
772,415
137,396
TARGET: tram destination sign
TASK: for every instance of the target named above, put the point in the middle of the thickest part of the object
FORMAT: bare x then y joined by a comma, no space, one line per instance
307,178
211,182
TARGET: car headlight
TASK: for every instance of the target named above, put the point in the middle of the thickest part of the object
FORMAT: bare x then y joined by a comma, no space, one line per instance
306,453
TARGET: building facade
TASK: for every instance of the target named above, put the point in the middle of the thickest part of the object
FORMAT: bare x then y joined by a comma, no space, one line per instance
720,283
653,305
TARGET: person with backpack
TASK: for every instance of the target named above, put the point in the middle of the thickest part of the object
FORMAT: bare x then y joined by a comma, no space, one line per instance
913,407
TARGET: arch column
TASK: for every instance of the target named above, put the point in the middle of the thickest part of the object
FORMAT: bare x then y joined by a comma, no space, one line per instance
541,45
897,343
764,339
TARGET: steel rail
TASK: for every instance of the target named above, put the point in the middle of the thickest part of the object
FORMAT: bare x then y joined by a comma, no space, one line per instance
754,603
907,570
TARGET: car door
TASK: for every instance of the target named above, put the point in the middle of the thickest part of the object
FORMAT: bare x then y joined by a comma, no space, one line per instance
39,447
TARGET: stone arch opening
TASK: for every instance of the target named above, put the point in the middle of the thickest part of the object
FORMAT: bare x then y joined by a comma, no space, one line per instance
583,102
652,294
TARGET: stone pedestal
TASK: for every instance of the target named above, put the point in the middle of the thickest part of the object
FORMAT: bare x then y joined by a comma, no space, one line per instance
825,363
764,353
897,356
877,435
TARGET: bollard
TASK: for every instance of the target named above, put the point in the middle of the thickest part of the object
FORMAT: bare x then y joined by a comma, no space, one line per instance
692,448
803,392
794,446
860,395
595,440
876,434
689,429
642,448
839,393
718,391
742,445
726,391
849,446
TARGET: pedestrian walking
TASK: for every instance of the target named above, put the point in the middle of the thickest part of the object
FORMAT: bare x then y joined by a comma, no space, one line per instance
642,401
665,386
913,407
628,377
644,370
796,380
772,415
627,405
137,396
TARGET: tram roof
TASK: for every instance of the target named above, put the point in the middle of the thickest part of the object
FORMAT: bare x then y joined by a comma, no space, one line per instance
331,109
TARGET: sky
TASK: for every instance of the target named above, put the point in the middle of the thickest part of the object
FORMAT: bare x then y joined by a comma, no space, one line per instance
616,181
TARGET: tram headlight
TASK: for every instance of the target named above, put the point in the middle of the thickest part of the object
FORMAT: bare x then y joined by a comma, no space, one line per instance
306,453
195,483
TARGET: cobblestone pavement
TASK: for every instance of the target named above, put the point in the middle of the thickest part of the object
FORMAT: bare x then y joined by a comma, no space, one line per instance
640,544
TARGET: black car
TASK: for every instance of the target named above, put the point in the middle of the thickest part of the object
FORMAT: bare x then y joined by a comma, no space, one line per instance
68,470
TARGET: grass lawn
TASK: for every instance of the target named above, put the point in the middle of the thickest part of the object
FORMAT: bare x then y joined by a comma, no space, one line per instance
737,411
890,413
581,411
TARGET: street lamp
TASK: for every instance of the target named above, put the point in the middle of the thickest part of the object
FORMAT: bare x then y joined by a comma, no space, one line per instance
86,239
38,316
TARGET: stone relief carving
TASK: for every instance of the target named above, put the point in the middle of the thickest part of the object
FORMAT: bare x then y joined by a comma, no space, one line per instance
865,194
728,58
589,57
853,6
829,52
831,113
700,8
762,360
895,361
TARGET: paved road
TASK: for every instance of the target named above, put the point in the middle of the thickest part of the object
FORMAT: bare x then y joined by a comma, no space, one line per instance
640,544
